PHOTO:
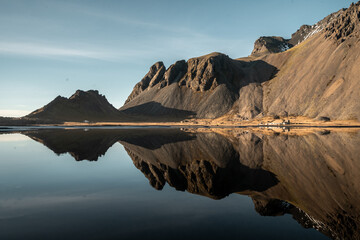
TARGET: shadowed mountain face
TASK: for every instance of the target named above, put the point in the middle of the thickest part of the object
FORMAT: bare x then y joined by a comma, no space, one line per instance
314,176
158,112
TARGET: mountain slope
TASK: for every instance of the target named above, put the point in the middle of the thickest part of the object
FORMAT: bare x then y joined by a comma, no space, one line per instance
320,76
313,74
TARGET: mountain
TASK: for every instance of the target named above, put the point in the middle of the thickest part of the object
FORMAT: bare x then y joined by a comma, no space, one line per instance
319,76
203,87
313,74
81,106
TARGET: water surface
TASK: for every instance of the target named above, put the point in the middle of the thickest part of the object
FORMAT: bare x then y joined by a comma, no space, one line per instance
179,183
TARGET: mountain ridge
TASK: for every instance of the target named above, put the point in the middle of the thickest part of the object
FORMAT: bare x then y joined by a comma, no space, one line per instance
313,74
208,88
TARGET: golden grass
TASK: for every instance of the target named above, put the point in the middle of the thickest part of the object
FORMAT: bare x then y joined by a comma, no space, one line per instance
230,121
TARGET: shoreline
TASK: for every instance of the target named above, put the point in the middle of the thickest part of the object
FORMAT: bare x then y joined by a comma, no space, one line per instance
155,125
223,122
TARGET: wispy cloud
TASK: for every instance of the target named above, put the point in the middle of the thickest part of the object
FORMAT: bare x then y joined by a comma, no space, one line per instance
122,18
157,39
178,39
126,19
44,50
145,24
40,50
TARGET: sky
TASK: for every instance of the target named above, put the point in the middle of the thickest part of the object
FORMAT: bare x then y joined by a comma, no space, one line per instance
50,48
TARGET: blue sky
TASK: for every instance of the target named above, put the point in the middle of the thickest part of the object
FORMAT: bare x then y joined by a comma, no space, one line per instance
50,48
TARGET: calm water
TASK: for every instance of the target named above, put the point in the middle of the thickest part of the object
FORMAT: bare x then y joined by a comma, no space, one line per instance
177,184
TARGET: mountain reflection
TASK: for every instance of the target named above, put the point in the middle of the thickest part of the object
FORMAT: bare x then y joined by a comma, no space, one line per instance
85,144
314,176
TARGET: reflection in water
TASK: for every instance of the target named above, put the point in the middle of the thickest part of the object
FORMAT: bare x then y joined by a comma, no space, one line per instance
315,177
85,144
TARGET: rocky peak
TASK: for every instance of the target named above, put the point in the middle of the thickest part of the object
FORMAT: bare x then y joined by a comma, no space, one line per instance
345,24
155,74
300,34
174,73
59,98
306,31
209,71
80,94
88,96
338,26
199,74
265,45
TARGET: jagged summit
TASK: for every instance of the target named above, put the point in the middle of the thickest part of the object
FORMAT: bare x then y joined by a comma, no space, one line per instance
196,73
345,25
205,87
81,94
338,25
154,75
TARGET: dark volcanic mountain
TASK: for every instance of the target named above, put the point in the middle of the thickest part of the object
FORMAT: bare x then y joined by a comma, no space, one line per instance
80,106
315,73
